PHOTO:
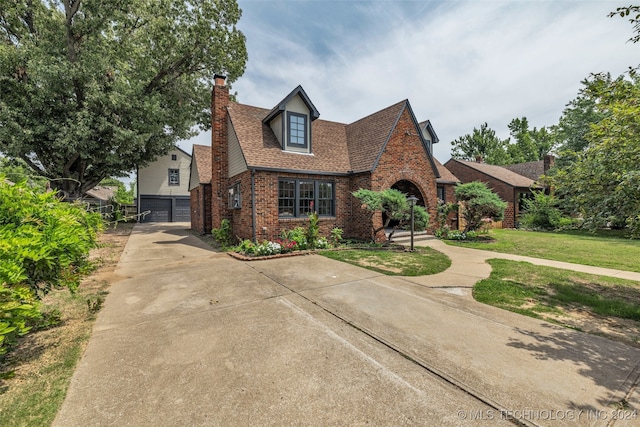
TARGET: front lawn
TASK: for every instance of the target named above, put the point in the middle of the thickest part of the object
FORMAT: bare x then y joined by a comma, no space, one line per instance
596,304
421,262
609,249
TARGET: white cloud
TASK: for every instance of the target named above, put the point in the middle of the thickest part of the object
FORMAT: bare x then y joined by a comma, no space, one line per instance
459,63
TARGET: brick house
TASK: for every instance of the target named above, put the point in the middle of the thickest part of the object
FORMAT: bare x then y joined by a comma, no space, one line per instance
271,167
512,187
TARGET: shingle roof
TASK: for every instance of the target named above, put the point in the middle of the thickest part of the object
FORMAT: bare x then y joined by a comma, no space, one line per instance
532,170
499,172
261,149
445,174
367,137
337,148
202,160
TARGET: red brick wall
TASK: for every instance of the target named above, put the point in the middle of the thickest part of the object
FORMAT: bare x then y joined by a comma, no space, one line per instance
268,224
405,158
219,151
201,208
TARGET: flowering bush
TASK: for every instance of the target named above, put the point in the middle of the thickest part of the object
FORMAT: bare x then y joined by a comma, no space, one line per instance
286,245
322,243
268,248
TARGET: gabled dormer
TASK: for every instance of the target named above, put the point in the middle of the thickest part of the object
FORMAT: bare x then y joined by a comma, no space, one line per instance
290,121
429,135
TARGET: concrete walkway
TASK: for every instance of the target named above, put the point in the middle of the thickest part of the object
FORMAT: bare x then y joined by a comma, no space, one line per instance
468,266
189,336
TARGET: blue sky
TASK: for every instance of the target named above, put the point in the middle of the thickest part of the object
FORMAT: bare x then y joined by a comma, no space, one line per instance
460,63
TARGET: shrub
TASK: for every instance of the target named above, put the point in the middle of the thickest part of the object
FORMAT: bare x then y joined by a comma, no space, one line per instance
479,203
224,234
336,236
298,235
541,212
44,243
313,230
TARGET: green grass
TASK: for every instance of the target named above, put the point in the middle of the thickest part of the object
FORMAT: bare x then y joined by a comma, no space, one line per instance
422,262
609,249
540,292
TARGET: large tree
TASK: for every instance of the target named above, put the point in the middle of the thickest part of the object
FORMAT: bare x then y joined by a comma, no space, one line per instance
529,144
575,122
482,143
603,182
94,88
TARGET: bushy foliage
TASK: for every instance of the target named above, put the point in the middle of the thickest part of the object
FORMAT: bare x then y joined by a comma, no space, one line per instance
479,203
602,183
394,206
542,212
297,235
336,236
313,230
44,243
224,234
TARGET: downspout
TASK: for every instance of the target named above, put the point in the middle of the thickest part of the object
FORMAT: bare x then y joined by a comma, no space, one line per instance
253,204
203,213
138,193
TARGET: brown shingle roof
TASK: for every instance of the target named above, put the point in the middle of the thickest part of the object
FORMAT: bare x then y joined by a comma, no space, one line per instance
261,149
499,172
532,170
202,160
337,148
367,137
445,174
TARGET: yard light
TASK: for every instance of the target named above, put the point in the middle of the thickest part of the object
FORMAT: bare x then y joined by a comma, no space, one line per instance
412,202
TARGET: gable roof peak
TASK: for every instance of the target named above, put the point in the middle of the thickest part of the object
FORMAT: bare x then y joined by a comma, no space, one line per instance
280,107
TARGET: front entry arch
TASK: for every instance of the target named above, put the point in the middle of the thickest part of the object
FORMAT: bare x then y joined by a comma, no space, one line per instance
410,189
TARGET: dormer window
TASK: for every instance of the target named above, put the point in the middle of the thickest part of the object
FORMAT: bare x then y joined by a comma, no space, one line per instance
297,135
291,120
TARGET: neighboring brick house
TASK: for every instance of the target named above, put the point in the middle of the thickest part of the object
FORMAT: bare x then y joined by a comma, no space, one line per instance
512,187
200,188
272,167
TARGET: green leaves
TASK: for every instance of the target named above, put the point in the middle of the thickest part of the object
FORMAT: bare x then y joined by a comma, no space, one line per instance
394,206
44,243
94,89
479,203
602,183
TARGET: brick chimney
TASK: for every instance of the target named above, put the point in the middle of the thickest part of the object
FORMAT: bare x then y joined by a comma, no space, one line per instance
219,150
479,159
549,162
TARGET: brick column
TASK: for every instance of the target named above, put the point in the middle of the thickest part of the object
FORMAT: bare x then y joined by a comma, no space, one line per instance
219,151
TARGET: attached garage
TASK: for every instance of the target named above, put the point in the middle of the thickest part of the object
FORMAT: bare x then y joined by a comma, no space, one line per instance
165,208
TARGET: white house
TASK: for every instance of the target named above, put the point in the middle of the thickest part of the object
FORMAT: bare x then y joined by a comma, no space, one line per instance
163,188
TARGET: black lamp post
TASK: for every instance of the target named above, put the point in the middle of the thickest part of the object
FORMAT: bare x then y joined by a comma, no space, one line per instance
412,202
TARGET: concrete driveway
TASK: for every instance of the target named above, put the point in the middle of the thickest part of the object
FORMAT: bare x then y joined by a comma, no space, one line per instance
189,336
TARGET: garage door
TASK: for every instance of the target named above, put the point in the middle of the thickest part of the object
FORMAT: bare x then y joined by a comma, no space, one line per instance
183,210
160,209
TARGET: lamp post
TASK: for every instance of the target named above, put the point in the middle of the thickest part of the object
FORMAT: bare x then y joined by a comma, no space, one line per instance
412,202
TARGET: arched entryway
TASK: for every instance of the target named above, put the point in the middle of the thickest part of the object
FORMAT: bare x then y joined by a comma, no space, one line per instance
410,189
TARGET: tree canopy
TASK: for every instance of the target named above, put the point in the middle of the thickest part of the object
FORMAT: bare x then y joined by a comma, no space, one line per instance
528,144
603,182
94,88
